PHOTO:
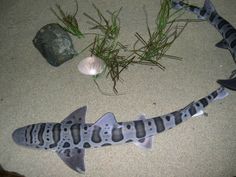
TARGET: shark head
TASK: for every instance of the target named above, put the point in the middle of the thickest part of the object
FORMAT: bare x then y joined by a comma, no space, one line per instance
30,136
19,136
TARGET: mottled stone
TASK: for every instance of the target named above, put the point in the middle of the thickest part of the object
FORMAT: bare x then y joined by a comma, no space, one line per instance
55,44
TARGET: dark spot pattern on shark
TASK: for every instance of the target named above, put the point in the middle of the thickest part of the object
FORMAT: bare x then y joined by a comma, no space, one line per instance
192,110
140,128
86,145
178,117
25,134
229,33
222,23
212,16
40,134
106,144
56,131
204,102
75,132
117,134
66,145
96,138
159,124
167,118
233,43
31,133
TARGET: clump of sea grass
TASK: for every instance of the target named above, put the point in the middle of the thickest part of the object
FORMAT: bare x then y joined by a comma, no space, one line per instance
118,56
107,46
160,40
69,20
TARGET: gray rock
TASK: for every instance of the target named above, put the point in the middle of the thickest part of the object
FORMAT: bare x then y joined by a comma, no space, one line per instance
55,44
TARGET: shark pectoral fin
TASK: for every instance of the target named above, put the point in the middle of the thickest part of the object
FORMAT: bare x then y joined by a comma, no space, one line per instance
199,113
74,158
145,143
78,116
222,44
106,119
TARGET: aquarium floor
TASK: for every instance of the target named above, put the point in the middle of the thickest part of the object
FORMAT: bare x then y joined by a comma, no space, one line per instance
32,91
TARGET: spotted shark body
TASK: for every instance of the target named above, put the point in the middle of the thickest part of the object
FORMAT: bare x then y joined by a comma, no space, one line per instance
228,32
72,136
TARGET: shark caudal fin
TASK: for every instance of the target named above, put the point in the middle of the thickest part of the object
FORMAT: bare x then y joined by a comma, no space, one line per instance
229,83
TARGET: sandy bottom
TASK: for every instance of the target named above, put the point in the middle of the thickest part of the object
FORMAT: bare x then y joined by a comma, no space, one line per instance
32,91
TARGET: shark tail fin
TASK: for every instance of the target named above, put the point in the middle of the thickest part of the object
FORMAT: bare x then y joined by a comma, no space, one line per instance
229,83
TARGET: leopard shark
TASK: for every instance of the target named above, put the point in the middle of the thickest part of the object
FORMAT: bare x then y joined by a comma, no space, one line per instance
73,135
228,32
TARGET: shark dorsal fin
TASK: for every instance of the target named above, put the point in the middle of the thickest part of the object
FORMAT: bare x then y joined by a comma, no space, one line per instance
106,119
74,158
78,116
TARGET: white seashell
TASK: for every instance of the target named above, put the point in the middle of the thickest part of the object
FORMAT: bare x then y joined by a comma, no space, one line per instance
91,66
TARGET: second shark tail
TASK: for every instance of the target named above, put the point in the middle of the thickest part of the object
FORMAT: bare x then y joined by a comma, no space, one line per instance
229,83
203,13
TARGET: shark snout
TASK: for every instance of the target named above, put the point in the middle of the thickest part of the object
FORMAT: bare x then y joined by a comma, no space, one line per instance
18,136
